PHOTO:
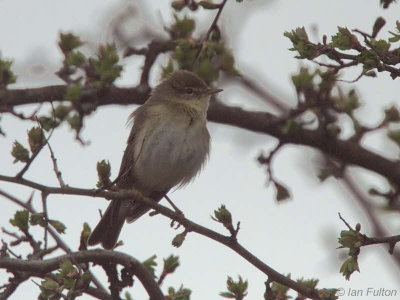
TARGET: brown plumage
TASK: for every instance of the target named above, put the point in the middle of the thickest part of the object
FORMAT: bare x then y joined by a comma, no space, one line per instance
167,147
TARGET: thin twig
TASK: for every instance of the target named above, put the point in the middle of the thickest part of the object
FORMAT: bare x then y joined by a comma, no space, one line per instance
52,232
46,218
345,222
366,240
55,167
378,229
35,154
212,27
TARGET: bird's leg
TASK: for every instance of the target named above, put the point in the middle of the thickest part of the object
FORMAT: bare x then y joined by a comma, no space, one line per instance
178,213
176,209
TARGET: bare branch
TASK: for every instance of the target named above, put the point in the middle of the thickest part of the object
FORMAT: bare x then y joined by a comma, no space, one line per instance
55,166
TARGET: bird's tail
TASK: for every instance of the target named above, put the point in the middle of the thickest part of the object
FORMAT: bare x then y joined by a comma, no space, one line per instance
108,229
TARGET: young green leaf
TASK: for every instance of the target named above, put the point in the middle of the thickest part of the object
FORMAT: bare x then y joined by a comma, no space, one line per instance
170,264
21,220
19,152
150,265
60,227
36,138
104,173
69,42
6,75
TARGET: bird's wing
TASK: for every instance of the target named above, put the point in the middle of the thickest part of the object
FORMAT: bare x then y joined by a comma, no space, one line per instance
133,149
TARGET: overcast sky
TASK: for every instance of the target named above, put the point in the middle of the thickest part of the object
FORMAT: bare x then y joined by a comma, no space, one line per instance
297,237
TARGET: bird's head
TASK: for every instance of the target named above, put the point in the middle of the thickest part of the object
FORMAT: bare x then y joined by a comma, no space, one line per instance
186,88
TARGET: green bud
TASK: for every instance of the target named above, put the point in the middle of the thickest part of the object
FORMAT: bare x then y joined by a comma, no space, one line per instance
349,239
150,265
310,283
236,289
222,215
179,239
369,59
66,267
104,173
380,46
348,103
6,75
303,79
69,42
170,264
167,70
36,138
301,44
328,294
83,281
181,294
349,266
37,219
182,28
21,220
74,121
105,66
86,231
49,284
396,36
60,227
47,123
280,289
75,58
19,152
343,39
61,111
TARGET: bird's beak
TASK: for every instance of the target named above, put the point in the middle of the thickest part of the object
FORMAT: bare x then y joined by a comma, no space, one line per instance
212,91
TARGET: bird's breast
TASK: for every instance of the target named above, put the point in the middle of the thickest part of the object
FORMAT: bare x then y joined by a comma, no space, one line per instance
171,153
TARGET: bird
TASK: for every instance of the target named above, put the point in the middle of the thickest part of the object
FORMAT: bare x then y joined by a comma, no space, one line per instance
167,147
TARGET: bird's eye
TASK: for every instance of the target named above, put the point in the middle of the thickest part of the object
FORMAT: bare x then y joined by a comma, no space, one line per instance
189,91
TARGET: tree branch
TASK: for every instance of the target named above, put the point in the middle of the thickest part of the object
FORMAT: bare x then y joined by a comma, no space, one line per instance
379,230
189,225
60,243
100,257
346,151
